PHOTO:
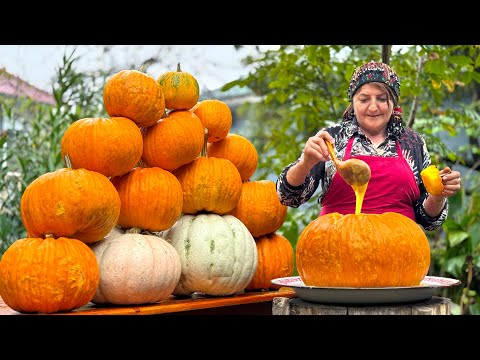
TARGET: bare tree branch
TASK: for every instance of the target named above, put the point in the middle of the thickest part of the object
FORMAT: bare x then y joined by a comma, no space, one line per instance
386,50
413,111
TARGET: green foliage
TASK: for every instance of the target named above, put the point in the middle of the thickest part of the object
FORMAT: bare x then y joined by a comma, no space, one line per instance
457,252
31,147
304,89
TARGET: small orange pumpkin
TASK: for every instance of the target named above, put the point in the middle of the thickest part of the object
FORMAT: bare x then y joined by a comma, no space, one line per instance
110,146
134,95
48,275
239,150
259,207
275,260
216,116
180,89
174,141
362,250
151,199
209,184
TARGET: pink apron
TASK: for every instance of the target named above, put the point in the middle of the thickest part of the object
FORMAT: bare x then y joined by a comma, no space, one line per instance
392,187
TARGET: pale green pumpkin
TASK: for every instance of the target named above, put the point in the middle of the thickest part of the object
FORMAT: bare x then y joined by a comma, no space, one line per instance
218,254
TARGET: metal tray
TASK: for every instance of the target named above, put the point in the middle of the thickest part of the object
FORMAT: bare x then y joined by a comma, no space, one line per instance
350,295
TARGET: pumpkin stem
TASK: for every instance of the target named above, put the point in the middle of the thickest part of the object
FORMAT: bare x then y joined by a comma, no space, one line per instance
178,67
67,161
134,230
204,151
141,164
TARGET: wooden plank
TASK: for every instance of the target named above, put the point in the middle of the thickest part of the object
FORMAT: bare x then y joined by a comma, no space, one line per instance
172,304
301,307
381,310
433,306
296,306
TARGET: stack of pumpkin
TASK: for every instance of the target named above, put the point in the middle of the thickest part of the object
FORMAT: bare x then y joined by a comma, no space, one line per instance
137,173
213,234
53,269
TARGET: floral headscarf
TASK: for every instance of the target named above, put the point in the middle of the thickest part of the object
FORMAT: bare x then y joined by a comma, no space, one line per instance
374,72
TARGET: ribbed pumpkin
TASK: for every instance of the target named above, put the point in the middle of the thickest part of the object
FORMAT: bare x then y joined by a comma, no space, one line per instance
362,250
180,89
209,184
174,141
48,275
259,207
216,116
135,269
151,199
74,203
218,254
110,146
135,95
275,260
239,150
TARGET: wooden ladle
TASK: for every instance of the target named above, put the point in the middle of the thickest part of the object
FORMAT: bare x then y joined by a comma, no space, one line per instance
355,172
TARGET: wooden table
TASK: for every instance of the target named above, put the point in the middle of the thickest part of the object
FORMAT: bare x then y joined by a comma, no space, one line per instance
244,303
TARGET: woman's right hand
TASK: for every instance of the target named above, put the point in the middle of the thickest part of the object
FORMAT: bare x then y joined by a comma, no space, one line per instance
316,150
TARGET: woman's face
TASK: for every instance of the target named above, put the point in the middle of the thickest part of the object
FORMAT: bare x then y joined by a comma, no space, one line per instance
372,108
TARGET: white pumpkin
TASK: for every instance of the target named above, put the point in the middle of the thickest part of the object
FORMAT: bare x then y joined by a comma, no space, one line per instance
217,252
135,269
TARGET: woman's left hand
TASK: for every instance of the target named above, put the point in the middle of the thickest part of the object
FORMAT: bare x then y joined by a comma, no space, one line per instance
451,181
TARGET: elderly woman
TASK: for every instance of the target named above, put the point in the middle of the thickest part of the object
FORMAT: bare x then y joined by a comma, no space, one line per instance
371,131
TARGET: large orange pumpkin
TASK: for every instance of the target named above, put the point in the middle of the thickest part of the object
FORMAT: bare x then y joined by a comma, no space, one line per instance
110,146
275,260
151,199
239,150
259,207
174,141
362,250
180,89
135,95
48,275
74,203
216,116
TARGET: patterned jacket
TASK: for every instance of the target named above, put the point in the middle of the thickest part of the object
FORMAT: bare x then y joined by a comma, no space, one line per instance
414,150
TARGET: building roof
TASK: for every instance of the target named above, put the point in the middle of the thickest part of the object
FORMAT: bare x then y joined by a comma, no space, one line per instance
12,85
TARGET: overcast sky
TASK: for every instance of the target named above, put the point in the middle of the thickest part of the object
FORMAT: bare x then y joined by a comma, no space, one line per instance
212,65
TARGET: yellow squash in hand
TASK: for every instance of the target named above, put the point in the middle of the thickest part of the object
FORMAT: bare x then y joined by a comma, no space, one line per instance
432,180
